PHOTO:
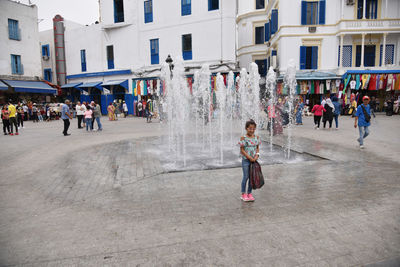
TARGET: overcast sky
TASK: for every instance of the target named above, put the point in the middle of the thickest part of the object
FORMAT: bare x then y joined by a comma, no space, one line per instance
81,11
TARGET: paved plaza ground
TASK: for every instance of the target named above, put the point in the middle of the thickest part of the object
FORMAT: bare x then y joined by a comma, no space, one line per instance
97,199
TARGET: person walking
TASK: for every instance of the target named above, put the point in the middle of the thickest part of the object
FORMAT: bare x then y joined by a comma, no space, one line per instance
20,115
26,110
5,117
328,114
125,109
97,116
140,108
88,118
362,120
337,111
299,113
249,149
65,116
110,110
317,110
13,118
148,114
80,110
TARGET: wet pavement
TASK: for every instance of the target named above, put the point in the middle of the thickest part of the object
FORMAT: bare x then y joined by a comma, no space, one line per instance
96,199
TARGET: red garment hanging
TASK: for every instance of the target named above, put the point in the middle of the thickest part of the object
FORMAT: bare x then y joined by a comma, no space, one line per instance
372,82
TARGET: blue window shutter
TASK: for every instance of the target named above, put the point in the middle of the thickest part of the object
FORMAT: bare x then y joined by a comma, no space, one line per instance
266,31
265,67
322,12
302,57
314,57
10,29
360,4
338,58
19,65
303,12
13,64
43,51
380,58
273,53
274,21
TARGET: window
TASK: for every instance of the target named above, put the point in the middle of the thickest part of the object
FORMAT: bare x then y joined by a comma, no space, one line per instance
260,4
83,60
16,66
313,12
347,56
267,32
369,55
187,47
371,9
274,21
154,51
308,57
118,11
47,75
110,57
45,50
186,7
259,35
213,5
389,55
262,67
148,11
13,30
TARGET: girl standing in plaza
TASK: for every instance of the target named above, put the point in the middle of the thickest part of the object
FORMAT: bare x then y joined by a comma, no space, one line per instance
88,118
249,149
5,116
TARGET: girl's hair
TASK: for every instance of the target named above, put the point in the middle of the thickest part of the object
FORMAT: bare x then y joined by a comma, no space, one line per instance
250,122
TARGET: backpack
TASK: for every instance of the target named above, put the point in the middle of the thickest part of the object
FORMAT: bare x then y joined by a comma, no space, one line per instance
366,115
256,176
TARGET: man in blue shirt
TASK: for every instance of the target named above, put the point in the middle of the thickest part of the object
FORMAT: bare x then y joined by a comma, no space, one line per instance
363,117
65,116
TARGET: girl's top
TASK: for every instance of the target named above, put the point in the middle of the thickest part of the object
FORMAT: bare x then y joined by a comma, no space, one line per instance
88,114
250,145
317,110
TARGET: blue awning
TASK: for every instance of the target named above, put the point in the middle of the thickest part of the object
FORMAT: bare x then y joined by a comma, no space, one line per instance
313,75
123,83
3,86
91,85
31,87
71,85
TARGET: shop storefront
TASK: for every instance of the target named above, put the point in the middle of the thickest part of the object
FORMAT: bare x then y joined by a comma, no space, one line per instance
26,91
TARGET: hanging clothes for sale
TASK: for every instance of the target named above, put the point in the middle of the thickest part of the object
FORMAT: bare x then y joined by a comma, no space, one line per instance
367,82
397,84
312,87
134,88
389,82
372,82
381,81
322,87
353,84
357,87
346,81
378,77
138,84
190,84
316,87
328,85
364,80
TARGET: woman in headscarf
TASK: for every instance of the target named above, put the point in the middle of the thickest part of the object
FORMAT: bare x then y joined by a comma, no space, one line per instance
328,114
299,113
110,110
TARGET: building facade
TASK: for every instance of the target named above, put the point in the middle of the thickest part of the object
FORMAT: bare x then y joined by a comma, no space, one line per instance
331,36
108,60
20,71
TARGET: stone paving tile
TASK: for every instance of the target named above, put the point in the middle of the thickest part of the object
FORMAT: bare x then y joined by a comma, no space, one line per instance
320,213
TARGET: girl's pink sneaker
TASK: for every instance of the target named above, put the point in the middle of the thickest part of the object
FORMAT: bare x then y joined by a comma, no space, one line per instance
244,197
250,197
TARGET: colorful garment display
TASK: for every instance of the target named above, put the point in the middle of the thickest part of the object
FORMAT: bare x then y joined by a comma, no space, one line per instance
372,82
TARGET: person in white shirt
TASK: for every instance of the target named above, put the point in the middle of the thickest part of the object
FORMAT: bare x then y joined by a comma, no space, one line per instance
323,102
125,108
80,111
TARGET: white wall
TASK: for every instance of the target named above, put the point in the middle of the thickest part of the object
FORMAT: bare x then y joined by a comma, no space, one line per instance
28,47
213,36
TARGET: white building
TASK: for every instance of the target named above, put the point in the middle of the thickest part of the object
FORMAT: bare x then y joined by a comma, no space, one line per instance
134,37
317,33
20,71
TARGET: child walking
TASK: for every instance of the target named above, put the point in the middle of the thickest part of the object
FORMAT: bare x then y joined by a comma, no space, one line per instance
88,118
249,149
